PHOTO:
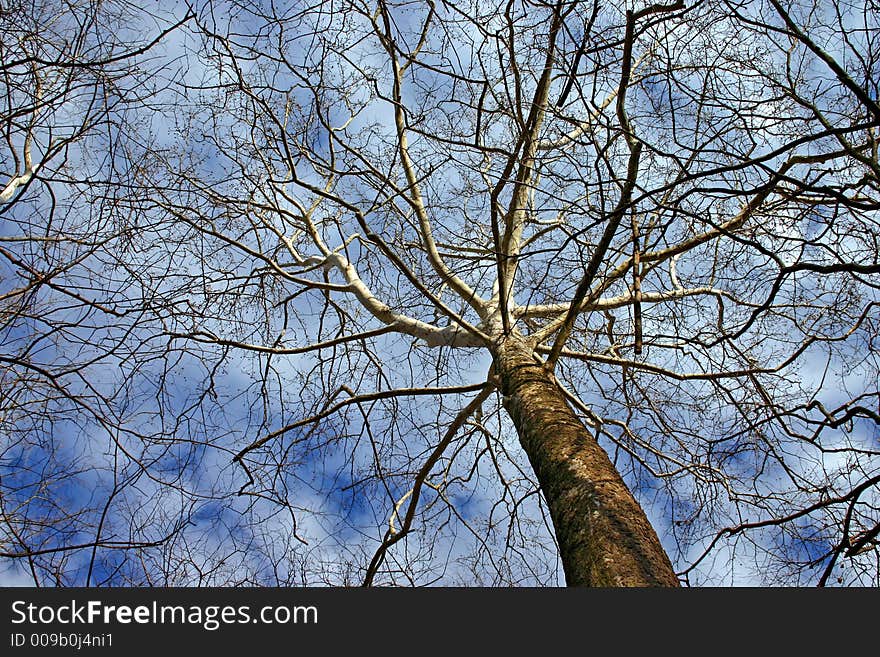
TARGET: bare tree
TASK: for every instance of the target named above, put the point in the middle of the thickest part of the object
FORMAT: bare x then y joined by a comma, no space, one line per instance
427,292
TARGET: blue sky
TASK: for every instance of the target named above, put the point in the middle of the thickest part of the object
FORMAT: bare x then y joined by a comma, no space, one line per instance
176,253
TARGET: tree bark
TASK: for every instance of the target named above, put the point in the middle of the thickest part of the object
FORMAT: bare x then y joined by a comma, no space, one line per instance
604,537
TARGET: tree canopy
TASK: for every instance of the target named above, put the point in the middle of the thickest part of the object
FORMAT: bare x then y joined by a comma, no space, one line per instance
262,266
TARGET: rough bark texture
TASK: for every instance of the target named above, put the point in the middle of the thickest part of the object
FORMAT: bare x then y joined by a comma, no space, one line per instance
604,537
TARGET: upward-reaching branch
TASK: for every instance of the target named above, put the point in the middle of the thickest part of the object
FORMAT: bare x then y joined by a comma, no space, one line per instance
414,197
614,218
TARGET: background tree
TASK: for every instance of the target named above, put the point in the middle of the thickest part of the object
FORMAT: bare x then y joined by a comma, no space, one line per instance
422,293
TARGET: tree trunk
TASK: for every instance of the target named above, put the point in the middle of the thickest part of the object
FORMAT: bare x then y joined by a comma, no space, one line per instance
604,537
